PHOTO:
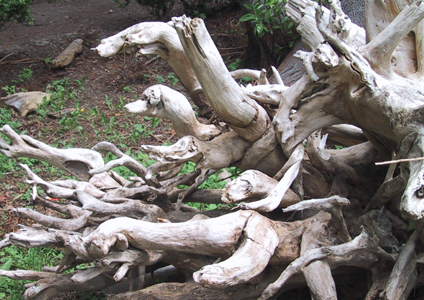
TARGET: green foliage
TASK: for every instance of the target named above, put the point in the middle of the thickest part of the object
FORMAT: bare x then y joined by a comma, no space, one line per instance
160,79
235,65
9,89
23,259
24,75
6,118
14,9
172,78
268,16
108,102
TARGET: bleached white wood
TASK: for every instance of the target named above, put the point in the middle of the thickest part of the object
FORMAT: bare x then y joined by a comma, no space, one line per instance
154,38
164,102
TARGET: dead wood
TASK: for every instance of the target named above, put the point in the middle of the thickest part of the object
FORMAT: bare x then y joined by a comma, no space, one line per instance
67,56
359,89
26,102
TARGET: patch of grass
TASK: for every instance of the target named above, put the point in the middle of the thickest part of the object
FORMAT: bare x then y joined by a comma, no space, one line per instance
23,259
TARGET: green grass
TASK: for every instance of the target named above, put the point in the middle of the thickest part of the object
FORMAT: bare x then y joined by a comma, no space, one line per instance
13,257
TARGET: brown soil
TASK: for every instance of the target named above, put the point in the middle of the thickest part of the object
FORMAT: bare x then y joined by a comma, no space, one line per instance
56,25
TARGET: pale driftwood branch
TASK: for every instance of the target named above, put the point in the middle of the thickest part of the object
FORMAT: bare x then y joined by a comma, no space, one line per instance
396,161
64,208
53,222
277,75
259,237
26,274
83,276
412,205
345,135
153,37
126,207
326,204
333,254
333,205
164,102
29,237
253,185
216,154
253,74
273,200
5,241
229,102
48,288
167,236
266,94
124,160
66,57
323,160
403,276
379,50
58,191
75,161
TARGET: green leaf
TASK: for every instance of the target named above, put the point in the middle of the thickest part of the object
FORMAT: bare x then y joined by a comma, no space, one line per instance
248,6
247,17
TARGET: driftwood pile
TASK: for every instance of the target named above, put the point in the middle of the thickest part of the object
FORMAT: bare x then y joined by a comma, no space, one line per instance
306,212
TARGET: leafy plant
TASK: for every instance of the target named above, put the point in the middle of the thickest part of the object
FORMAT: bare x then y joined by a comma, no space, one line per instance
14,9
172,78
9,89
234,65
160,79
24,74
268,17
108,102
81,83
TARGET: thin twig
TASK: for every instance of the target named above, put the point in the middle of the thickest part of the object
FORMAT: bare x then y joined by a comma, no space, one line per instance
6,56
170,138
232,48
151,60
20,61
398,161
233,53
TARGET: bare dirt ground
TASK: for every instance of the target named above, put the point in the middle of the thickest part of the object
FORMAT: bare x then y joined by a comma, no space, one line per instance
56,24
